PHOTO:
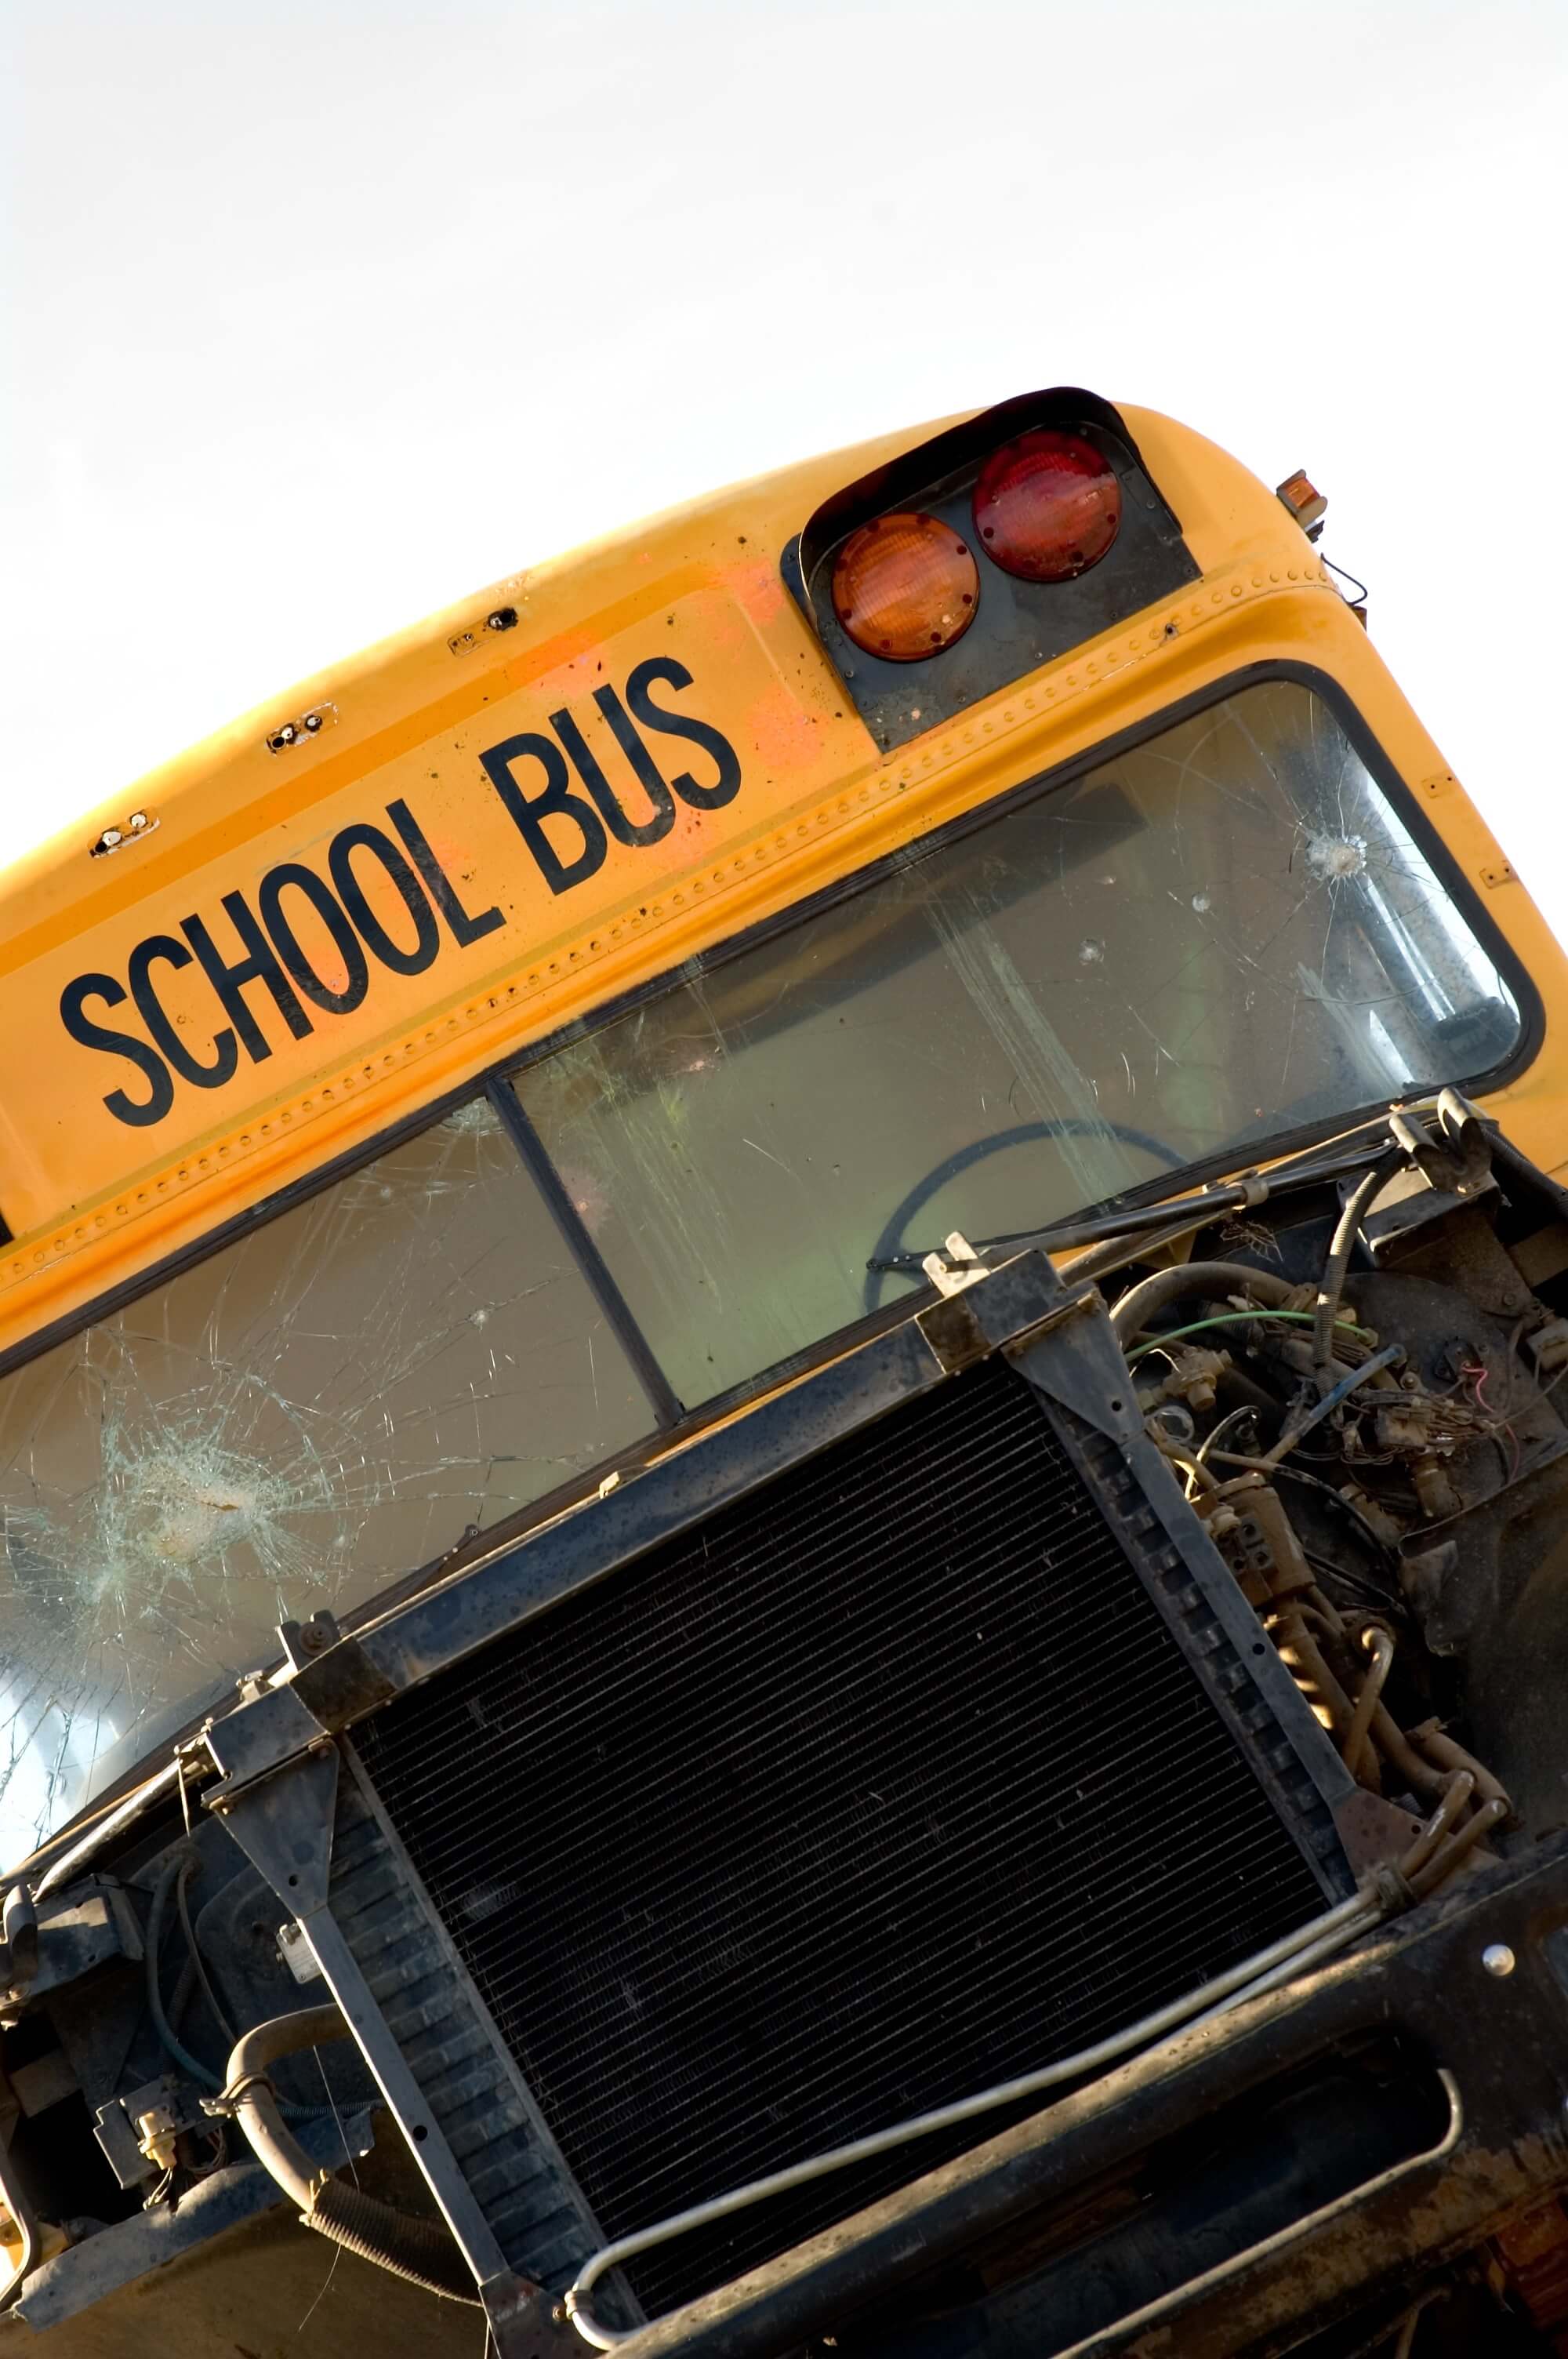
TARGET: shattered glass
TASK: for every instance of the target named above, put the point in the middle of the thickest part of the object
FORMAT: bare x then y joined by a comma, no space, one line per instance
1221,934
294,1423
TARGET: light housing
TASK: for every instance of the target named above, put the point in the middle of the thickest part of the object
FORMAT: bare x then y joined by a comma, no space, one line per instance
905,586
1047,506
1021,625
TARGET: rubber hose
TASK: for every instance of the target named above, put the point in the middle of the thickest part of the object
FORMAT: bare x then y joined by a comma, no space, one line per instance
1342,1244
173,2047
420,2250
1140,1302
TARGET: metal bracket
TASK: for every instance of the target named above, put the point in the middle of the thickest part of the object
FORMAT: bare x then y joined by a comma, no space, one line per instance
1460,1157
283,1825
340,1684
524,2324
303,1641
956,1266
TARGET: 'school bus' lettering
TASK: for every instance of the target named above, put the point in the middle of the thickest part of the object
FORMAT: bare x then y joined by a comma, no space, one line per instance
558,798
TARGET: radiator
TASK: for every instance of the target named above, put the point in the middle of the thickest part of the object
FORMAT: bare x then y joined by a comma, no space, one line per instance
921,1761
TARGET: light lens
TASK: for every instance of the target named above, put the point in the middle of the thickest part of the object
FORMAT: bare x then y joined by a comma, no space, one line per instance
905,587
1047,506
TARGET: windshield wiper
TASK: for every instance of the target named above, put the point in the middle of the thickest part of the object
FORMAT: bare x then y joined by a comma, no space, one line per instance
1308,1168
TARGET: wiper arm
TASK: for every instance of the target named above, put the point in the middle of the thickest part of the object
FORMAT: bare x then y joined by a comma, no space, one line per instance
1308,1168
1065,1234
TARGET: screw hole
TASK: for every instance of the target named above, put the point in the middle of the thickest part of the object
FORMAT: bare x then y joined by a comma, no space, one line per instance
292,1882
1116,1408
420,2132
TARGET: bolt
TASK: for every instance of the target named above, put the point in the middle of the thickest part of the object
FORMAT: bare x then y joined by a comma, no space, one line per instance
312,721
1498,1959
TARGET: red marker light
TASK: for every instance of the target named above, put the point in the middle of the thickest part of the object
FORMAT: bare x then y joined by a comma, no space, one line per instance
905,587
1047,506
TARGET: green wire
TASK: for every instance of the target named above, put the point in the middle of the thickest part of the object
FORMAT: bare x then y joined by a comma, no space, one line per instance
1238,1319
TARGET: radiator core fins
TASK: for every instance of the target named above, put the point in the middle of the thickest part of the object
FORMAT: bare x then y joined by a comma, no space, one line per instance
886,1784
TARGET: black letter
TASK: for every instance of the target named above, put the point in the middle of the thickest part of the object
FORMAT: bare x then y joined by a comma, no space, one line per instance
625,830
304,880
465,930
529,812
261,966
225,1047
727,786
137,1112
427,933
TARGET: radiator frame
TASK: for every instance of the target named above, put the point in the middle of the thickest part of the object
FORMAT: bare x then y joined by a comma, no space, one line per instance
280,1755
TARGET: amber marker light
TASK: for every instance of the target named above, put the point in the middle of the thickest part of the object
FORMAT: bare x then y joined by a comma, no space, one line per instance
905,586
1047,506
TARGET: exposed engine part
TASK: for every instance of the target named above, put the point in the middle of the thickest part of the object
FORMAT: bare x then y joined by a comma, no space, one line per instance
1371,1467
1530,2259
420,2250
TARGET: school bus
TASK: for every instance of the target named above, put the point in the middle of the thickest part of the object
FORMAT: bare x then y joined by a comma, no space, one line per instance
782,1497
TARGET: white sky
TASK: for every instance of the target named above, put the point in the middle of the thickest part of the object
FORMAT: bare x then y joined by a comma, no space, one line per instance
319,317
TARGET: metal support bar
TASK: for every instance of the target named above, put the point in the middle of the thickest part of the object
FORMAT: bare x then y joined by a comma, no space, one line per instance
595,1270
283,1825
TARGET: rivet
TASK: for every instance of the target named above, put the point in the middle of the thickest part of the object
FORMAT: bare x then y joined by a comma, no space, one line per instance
1498,1959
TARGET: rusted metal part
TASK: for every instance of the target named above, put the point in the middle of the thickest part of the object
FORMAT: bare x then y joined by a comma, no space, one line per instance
1380,1646
1373,1830
1531,2260
1449,1755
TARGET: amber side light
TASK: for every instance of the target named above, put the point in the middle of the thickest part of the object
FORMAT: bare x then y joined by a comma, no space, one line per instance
1047,506
1305,502
906,587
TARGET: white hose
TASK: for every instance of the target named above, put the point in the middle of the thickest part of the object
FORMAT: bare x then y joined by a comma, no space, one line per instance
105,1831
1254,1975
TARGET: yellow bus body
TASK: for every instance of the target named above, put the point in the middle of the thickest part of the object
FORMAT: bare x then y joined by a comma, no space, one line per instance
92,1202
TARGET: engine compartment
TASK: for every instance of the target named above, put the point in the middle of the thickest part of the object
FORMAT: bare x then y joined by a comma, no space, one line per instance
1360,1388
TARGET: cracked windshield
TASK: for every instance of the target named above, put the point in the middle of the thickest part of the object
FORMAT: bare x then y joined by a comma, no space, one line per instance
292,1424
1219,934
